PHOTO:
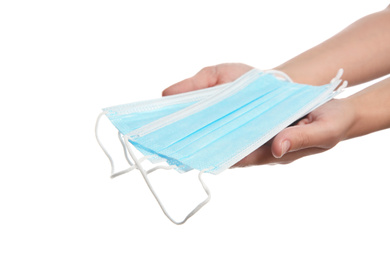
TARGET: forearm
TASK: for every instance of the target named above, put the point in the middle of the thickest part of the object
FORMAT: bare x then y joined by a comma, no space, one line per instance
372,109
362,50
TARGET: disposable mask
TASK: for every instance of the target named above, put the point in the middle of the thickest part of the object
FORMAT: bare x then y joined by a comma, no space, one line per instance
212,129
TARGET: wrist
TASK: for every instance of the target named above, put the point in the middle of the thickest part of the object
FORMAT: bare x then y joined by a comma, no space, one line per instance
354,117
371,108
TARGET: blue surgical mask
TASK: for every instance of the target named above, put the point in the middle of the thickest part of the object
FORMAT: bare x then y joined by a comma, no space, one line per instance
212,129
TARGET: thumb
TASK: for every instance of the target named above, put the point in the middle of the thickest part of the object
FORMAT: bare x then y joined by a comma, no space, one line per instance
299,137
206,77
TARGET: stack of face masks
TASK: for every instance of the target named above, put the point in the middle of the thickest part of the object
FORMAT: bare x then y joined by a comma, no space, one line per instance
212,129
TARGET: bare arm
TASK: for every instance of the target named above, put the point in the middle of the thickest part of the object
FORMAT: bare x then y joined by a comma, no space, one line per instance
362,50
372,109
362,113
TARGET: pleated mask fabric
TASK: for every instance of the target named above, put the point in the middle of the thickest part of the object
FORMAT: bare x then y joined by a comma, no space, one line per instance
212,129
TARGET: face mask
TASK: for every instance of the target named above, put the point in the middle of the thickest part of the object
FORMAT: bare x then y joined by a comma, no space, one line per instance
212,129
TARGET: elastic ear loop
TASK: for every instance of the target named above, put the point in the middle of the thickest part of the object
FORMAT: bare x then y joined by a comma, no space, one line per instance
124,149
137,165
100,143
145,176
113,173
335,82
279,73
132,165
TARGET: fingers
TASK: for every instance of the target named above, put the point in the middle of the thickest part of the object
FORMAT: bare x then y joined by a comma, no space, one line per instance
206,77
260,156
293,156
209,77
305,135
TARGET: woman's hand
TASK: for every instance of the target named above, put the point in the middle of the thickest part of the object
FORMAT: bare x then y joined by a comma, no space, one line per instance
319,131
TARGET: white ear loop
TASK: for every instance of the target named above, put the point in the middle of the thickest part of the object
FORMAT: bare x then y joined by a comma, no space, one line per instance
124,149
137,165
132,165
113,173
335,82
100,143
279,73
145,175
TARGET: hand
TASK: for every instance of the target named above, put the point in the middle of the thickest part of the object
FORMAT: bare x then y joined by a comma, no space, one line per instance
209,77
319,131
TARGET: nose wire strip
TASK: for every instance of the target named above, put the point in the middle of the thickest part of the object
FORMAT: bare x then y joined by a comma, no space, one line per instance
145,176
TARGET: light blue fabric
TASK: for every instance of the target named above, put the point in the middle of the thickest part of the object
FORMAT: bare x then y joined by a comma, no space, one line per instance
215,137
132,116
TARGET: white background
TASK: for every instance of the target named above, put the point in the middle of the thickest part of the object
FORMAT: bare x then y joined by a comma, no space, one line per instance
62,61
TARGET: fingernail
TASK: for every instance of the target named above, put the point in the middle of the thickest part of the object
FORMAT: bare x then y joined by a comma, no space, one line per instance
285,146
